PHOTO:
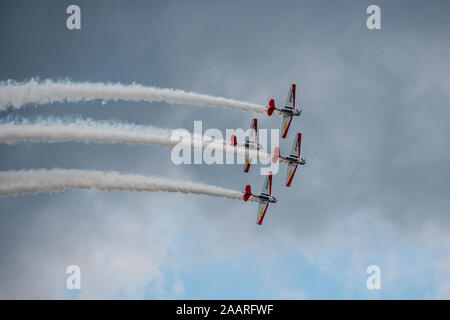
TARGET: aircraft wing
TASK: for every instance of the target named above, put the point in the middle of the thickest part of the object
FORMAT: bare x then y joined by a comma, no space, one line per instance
262,209
290,173
286,123
253,134
295,150
248,162
290,100
267,187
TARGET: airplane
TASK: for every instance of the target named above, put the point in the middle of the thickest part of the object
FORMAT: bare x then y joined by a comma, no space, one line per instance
287,112
293,159
251,142
264,199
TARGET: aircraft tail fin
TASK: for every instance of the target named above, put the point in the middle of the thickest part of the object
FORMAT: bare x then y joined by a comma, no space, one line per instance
271,108
233,140
276,155
248,192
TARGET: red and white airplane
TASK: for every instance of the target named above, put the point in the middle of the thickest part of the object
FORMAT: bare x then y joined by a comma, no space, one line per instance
251,142
287,112
293,160
264,198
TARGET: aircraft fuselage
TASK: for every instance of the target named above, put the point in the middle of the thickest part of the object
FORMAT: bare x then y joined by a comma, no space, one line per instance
252,145
290,112
266,198
294,160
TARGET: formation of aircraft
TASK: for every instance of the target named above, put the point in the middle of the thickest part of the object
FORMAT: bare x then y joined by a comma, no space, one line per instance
293,160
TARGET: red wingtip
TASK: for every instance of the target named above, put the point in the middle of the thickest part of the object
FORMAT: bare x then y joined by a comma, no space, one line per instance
254,126
270,185
276,154
299,143
293,91
248,192
271,107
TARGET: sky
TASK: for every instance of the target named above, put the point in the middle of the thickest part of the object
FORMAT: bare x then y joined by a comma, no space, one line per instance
375,131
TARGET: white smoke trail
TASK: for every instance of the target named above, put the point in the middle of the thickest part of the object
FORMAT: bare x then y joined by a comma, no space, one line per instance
55,130
14,183
34,92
